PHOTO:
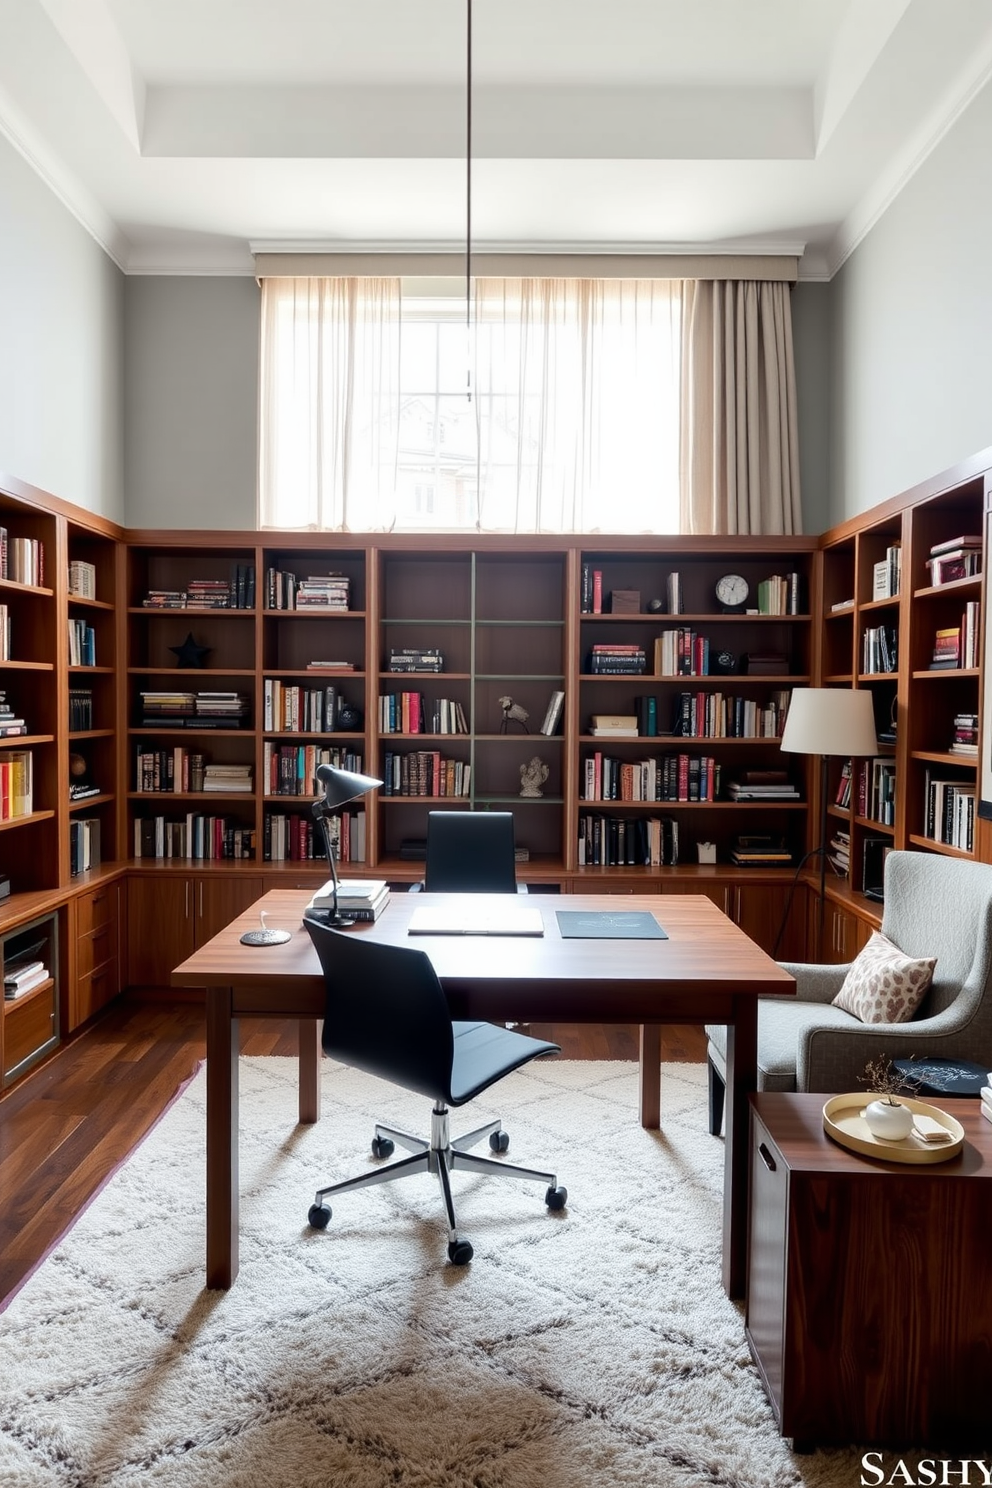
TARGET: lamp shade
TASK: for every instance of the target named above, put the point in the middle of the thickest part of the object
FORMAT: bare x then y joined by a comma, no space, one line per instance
339,786
830,721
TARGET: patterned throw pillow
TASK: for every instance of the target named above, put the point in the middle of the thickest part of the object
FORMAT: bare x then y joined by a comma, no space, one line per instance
883,985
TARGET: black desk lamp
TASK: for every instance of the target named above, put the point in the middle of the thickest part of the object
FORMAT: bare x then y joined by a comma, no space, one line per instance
339,787
829,721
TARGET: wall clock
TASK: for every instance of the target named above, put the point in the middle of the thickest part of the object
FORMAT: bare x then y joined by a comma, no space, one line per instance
732,591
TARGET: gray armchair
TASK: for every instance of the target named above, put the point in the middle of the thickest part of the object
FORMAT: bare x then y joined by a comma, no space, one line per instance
934,906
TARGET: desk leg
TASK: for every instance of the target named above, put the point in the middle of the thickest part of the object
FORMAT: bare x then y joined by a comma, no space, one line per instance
650,1075
222,1139
742,1079
310,1052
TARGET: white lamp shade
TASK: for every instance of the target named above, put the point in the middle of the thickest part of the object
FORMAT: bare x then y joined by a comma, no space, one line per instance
830,720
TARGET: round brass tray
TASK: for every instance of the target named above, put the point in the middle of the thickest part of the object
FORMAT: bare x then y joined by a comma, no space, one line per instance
844,1122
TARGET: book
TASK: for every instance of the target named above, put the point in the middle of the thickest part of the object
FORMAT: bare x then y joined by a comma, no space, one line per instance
952,543
553,714
361,907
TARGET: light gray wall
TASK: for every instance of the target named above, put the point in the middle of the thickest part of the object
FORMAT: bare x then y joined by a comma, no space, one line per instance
811,334
912,315
61,347
191,401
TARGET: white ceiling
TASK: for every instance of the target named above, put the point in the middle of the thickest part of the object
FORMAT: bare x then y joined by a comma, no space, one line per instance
185,133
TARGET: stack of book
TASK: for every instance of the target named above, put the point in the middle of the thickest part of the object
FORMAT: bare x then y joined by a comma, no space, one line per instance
416,659
82,579
965,740
161,709
946,649
617,659
227,778
359,898
330,666
208,594
20,975
290,769
613,726
751,850
220,710
10,725
763,785
323,592
165,599
970,640
957,558
986,1098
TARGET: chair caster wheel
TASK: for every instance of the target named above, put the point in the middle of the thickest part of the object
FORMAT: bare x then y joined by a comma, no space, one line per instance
499,1141
555,1198
319,1216
383,1146
459,1252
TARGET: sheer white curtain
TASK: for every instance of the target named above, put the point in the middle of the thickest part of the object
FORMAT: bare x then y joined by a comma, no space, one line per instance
740,441
329,403
578,404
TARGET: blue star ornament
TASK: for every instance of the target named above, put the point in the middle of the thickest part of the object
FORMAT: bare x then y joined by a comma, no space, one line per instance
189,654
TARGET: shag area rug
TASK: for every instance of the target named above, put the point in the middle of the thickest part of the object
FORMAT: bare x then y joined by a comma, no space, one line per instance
592,1348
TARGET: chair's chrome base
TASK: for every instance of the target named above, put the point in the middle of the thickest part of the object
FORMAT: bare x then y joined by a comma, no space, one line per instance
440,1155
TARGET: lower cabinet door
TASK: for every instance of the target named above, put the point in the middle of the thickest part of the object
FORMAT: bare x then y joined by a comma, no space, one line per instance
160,927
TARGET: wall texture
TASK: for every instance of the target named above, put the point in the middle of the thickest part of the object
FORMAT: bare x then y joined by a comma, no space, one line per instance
191,402
61,359
912,324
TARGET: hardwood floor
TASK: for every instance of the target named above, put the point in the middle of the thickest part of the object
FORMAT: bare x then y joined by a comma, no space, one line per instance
67,1127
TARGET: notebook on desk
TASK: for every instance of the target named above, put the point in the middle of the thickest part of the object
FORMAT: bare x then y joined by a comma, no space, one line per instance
462,920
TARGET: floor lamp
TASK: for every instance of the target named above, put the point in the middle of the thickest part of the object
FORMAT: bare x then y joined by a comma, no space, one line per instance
337,787
829,722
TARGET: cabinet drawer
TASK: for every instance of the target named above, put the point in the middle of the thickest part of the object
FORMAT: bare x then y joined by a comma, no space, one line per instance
93,950
27,1028
94,991
95,910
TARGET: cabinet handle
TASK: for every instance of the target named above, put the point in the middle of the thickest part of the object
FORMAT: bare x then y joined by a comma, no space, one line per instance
186,897
200,910
766,1157
98,898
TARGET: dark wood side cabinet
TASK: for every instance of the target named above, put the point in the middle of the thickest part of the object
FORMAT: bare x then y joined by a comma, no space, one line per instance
869,1309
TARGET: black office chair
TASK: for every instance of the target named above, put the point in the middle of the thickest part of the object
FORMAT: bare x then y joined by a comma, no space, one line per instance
387,1014
471,852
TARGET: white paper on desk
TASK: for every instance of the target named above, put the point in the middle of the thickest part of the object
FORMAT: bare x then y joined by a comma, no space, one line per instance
464,921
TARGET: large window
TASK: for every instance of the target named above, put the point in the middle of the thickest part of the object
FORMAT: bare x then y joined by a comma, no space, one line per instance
572,424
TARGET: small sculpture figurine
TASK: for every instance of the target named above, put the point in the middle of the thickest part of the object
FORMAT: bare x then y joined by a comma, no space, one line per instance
533,776
513,713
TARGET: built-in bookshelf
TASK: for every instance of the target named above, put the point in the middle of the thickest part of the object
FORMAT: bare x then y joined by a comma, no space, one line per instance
912,571
686,661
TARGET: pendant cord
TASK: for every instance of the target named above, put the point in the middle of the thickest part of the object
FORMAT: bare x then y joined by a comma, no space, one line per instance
468,197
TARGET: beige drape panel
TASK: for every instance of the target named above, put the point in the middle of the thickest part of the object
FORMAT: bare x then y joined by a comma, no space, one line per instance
739,443
577,383
329,403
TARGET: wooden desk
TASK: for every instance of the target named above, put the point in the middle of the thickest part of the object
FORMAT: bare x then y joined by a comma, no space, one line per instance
708,971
